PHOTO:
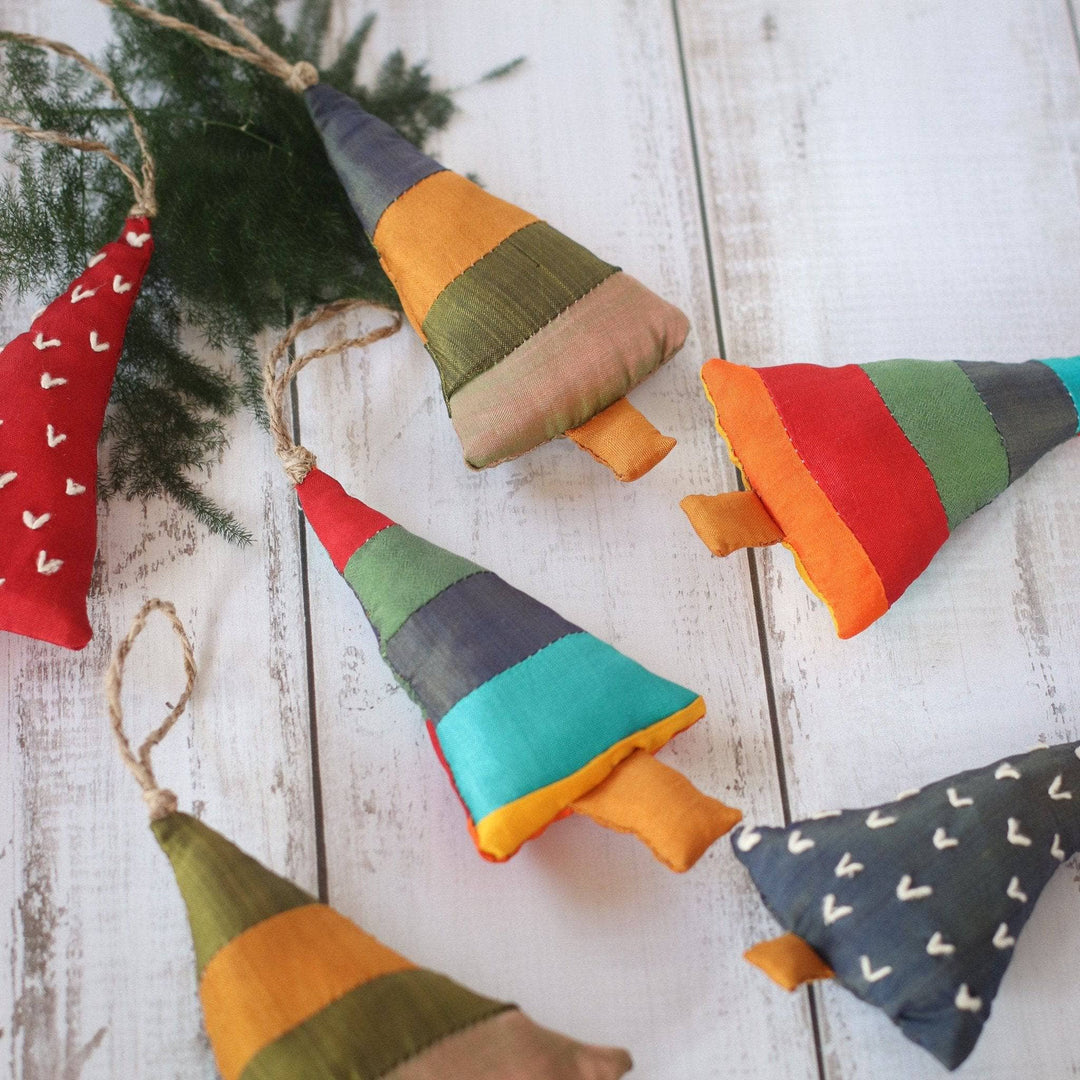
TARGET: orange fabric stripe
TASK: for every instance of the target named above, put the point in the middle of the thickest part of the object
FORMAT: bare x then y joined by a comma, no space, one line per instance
281,972
830,558
731,521
623,440
436,231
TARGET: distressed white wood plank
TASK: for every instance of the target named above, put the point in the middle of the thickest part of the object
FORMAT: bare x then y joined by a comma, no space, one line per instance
900,179
101,981
582,928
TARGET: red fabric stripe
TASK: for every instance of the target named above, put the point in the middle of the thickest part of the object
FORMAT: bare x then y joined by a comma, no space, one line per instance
865,464
342,523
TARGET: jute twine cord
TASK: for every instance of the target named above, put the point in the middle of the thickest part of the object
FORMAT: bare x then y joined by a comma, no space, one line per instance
298,460
160,801
144,188
297,77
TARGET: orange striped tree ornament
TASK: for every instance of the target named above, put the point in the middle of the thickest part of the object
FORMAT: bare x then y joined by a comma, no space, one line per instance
290,988
57,377
863,471
532,717
534,337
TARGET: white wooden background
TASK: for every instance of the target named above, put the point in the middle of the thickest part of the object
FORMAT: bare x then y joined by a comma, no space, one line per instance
833,182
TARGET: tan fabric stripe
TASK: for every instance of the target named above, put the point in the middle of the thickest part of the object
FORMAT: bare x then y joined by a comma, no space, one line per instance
279,973
510,1046
436,231
578,364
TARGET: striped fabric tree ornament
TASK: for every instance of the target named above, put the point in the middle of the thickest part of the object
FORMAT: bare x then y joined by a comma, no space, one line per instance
532,717
533,335
292,989
916,905
57,377
862,471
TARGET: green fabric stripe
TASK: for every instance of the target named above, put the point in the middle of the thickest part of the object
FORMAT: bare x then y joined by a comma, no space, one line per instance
545,718
396,572
947,422
516,289
1067,369
372,1029
226,891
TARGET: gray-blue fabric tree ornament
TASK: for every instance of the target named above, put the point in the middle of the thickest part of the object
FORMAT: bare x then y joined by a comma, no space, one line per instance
916,905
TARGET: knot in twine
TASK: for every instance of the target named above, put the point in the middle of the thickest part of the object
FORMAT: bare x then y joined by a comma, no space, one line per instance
301,76
298,460
159,801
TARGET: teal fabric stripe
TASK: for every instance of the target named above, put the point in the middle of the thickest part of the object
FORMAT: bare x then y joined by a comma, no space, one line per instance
547,717
1067,369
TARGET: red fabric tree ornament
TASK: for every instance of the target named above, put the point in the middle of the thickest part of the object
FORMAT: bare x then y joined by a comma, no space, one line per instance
57,377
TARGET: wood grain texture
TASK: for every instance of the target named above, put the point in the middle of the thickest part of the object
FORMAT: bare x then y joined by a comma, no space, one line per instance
582,928
101,979
900,179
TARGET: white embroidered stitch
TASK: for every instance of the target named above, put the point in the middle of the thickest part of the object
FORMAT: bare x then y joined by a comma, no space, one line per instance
136,239
47,566
822,814
748,839
966,1001
73,488
52,437
1055,791
97,346
1002,938
79,293
119,285
908,794
1038,746
797,845
957,800
41,343
1015,836
878,820
1056,849
1077,751
32,522
847,867
1014,892
99,257
37,314
938,946
831,911
1006,772
2,580
906,891
6,478
942,840
869,974
49,381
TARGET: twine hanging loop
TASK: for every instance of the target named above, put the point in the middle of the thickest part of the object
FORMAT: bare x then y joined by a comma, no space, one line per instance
160,801
297,460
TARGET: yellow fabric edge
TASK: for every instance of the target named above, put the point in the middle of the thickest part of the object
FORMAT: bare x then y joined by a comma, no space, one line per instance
503,831
842,633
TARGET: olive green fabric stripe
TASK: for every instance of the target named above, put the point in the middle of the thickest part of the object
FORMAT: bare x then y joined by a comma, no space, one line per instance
950,427
226,891
373,1028
396,572
503,299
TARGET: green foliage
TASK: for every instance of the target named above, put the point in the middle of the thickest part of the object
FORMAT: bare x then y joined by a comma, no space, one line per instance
254,226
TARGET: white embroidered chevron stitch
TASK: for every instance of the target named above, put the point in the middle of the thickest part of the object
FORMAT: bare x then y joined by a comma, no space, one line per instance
35,522
98,346
99,257
942,840
1014,892
119,285
938,946
877,820
957,800
1006,772
1055,792
1056,850
847,867
49,381
1001,939
905,890
72,488
797,844
1015,836
872,974
41,343
6,478
53,438
748,839
79,293
47,566
831,911
966,1001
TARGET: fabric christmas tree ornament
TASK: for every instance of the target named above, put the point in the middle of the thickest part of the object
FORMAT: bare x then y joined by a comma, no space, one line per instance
862,471
915,906
531,716
533,336
57,379
290,988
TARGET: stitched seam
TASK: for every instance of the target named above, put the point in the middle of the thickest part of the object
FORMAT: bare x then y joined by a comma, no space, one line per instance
402,194
990,413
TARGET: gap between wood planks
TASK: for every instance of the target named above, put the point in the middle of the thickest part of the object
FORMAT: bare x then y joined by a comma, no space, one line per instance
751,558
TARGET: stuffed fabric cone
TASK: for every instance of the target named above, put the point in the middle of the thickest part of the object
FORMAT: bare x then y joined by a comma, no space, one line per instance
916,905
292,989
863,471
57,378
531,716
533,335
